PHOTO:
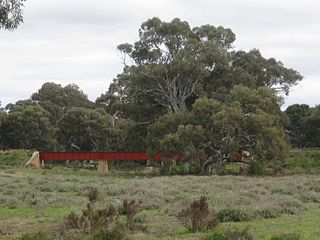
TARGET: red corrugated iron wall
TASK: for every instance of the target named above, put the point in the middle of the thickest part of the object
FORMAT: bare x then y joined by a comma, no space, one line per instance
118,156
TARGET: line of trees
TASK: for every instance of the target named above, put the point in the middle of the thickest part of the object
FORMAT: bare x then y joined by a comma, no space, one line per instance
182,89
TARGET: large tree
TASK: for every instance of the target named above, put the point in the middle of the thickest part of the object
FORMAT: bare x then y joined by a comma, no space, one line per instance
57,99
90,130
249,121
172,64
312,127
169,61
28,127
296,129
11,13
3,116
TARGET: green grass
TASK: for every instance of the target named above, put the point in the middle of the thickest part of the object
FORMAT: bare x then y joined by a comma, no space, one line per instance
42,197
33,212
38,199
302,161
14,157
305,224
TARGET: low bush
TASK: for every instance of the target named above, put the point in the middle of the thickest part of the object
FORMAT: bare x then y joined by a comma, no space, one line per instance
115,234
256,168
215,236
234,234
232,215
198,217
237,234
267,213
106,223
130,209
91,220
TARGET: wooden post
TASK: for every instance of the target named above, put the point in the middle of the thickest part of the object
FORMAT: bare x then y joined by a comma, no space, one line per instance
35,161
103,166
174,164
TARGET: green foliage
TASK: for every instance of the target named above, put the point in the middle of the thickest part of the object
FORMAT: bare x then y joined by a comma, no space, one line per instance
215,236
234,234
28,127
250,121
198,217
57,99
89,130
265,72
11,14
267,213
232,215
256,168
115,234
14,157
296,114
171,55
173,64
312,127
305,160
303,125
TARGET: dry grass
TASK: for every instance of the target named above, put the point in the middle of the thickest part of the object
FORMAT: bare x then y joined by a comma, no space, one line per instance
30,191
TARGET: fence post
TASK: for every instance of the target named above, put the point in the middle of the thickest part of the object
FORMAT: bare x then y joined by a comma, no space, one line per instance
103,166
174,164
35,161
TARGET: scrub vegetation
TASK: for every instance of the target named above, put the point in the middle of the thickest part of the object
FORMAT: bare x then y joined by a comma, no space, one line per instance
263,207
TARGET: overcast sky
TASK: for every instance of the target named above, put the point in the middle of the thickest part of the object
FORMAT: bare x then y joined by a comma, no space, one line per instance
74,41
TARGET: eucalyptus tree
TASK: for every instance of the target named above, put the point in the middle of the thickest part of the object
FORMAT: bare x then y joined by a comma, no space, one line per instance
27,127
172,65
169,61
296,127
11,13
91,130
248,121
312,127
57,99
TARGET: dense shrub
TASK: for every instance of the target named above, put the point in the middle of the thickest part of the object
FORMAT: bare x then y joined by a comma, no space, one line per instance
256,168
267,213
232,215
130,209
91,220
198,217
106,223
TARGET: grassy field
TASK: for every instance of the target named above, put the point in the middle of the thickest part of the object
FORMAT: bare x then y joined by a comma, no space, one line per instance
34,200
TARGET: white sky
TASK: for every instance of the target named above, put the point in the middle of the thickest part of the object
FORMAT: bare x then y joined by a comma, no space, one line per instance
74,41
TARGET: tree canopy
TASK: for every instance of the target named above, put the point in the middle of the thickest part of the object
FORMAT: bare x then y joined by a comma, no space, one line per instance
11,13
183,90
56,99
248,121
28,127
172,65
